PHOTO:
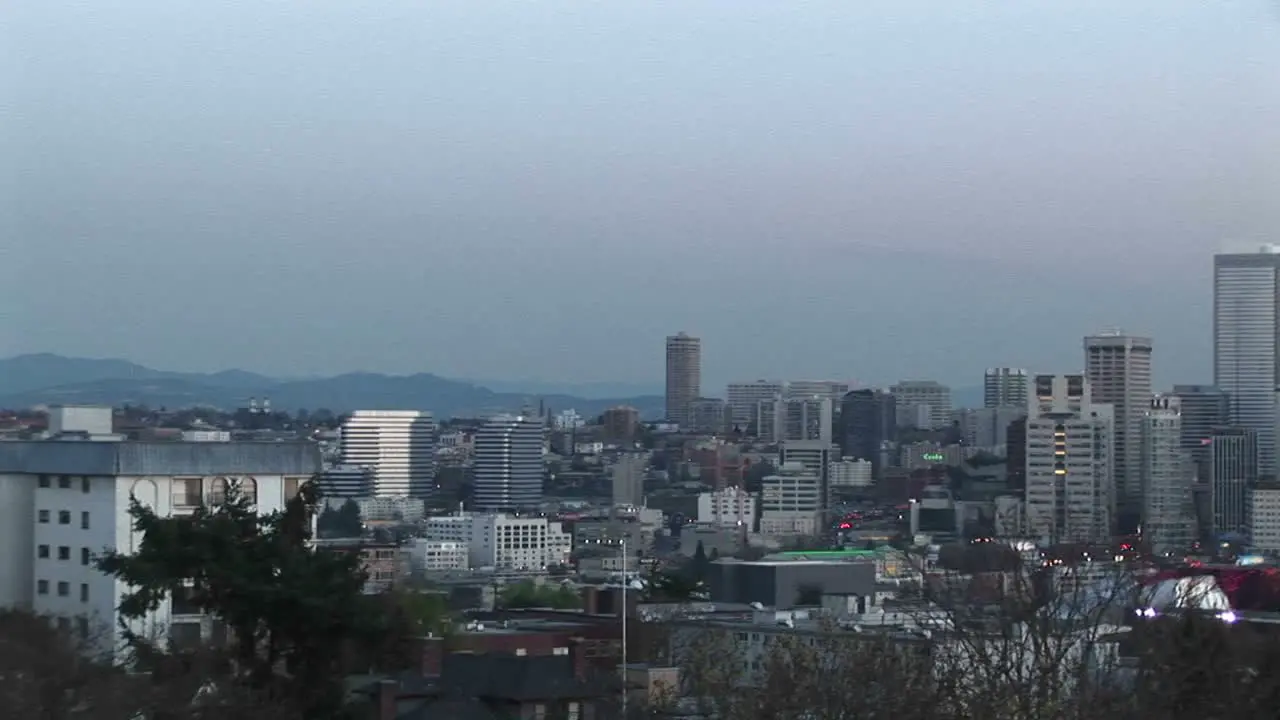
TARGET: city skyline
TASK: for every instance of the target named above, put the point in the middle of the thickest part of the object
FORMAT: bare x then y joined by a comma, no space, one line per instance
932,178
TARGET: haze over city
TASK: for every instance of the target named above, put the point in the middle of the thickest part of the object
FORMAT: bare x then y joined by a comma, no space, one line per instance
869,190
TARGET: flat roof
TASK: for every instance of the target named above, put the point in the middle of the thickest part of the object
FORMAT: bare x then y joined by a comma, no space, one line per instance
130,458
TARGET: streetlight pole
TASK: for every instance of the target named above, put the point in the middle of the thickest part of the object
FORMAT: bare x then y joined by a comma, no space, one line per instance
623,665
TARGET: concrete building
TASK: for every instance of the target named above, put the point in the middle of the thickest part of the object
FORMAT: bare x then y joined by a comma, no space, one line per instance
1264,519
1118,368
815,457
832,390
868,420
62,502
850,473
1234,459
989,426
731,507
1069,455
399,448
391,509
684,377
1246,298
911,395
1004,387
346,481
1168,512
508,464
621,424
626,476
710,416
744,398
790,501
798,418
784,584
438,556
502,541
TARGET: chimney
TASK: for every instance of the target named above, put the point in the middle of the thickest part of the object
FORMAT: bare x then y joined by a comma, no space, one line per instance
578,657
388,692
432,655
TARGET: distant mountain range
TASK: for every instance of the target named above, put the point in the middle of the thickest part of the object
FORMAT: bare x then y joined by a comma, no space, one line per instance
46,379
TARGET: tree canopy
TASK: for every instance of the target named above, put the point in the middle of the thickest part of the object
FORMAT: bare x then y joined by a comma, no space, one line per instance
528,594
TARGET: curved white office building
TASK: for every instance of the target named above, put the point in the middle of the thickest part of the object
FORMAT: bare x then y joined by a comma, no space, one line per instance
397,446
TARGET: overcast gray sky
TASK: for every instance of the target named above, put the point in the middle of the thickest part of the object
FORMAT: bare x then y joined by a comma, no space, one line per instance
858,189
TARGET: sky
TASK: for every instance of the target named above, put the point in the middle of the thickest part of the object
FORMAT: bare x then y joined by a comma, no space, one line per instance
868,190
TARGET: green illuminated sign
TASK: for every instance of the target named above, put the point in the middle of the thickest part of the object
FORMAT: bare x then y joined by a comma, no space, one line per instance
934,457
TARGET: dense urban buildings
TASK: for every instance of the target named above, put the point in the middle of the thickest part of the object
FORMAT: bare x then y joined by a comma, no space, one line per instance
1004,387
508,469
1246,294
745,397
398,446
1118,368
684,377
924,404
1069,455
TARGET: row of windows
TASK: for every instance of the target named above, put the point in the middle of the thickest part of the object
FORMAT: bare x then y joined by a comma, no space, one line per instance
64,482
64,518
63,588
64,553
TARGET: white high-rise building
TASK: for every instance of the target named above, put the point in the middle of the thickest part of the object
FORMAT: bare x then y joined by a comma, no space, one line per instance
1246,298
504,542
398,447
790,501
1118,368
1069,493
1168,520
1004,387
917,399
508,464
744,398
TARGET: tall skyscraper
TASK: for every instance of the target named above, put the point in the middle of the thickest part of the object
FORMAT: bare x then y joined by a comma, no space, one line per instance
1246,294
1069,462
868,420
1204,407
1233,474
684,377
508,464
925,404
744,398
397,446
797,418
1168,515
1004,387
1118,368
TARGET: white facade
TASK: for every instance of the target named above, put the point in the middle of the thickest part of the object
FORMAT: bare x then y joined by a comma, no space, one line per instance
438,556
850,473
1264,519
502,541
568,420
731,507
399,509
1168,520
934,395
1069,462
744,398
1246,298
790,501
832,390
1004,387
1118,368
53,524
398,446
989,426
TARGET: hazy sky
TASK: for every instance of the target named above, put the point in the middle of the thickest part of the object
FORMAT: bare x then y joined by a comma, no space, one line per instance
850,188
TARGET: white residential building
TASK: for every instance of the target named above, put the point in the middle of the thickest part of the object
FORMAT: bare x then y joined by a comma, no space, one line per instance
744,398
1118,367
62,502
910,395
399,448
731,507
503,541
438,555
508,464
1004,387
1264,519
791,501
1069,489
850,473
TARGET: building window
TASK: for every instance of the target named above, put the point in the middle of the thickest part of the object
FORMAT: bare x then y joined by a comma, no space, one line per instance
64,589
84,520
82,627
42,587
186,492
84,485
42,551
43,481
84,592
64,517
44,516
64,482
64,552
84,556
